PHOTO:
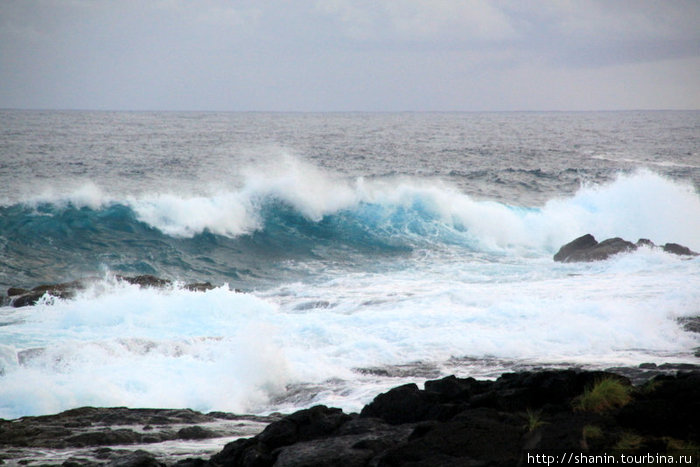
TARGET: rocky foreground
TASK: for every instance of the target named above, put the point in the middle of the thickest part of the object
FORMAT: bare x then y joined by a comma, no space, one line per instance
451,422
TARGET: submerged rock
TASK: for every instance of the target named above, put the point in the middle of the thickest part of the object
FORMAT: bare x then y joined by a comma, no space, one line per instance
586,249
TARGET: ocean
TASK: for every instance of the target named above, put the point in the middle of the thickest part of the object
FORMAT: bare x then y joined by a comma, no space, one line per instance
350,252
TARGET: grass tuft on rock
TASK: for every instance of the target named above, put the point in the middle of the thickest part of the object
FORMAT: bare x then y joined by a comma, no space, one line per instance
534,420
606,394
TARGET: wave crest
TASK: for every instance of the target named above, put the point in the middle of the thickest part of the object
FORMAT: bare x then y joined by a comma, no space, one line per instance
296,200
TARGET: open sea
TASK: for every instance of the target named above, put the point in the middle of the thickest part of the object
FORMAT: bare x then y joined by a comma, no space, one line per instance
368,250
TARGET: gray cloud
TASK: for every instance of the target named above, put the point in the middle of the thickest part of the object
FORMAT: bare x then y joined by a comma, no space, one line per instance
349,55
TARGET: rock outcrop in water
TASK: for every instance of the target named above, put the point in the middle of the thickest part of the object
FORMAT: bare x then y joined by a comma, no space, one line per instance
451,422
586,249
19,297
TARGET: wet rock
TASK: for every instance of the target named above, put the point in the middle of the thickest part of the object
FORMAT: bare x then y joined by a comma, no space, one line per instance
196,432
190,462
586,249
403,404
77,462
677,249
305,425
19,297
645,242
106,437
15,291
572,248
199,286
136,459
146,280
691,323
92,426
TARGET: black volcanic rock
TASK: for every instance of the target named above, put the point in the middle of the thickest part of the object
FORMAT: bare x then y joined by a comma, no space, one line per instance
145,280
403,404
196,432
677,249
136,459
586,249
669,408
199,286
452,422
20,297
582,243
465,422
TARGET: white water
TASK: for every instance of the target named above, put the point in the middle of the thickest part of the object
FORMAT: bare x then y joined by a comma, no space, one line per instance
222,350
116,344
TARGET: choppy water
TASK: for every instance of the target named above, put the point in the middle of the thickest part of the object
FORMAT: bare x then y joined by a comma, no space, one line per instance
371,249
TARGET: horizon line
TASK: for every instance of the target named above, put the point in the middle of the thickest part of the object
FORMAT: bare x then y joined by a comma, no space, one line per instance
69,109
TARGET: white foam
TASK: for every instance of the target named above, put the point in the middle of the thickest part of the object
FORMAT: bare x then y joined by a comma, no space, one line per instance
640,205
229,214
141,347
221,350
85,194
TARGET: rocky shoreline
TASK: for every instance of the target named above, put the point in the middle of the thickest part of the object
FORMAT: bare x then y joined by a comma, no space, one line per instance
450,422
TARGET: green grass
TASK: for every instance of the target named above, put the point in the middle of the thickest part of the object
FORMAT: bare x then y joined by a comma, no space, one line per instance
606,394
590,433
534,420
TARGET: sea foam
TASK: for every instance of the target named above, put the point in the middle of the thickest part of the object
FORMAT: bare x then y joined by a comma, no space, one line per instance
311,342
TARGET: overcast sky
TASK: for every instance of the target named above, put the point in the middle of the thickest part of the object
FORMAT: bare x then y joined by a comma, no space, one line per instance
337,55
